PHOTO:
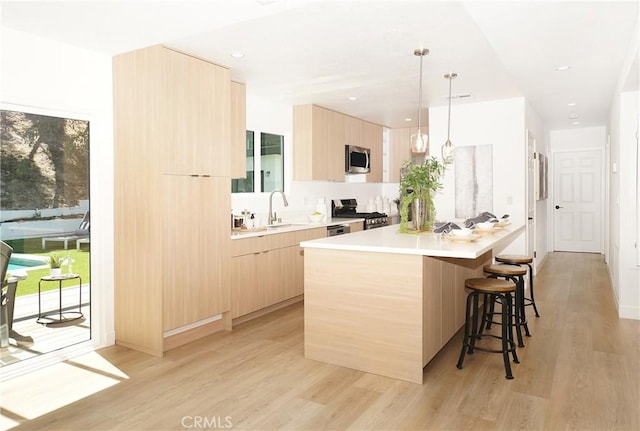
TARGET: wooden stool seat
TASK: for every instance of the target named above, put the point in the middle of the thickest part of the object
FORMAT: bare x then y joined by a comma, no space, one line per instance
489,285
491,289
504,270
514,259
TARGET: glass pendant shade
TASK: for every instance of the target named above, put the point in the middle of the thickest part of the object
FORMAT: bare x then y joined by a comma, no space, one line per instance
447,152
419,140
448,148
419,143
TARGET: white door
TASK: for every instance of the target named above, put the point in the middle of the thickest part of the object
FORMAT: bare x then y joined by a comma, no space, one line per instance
531,198
577,201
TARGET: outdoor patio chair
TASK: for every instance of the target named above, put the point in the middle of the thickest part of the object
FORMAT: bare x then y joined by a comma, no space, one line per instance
8,300
5,255
82,233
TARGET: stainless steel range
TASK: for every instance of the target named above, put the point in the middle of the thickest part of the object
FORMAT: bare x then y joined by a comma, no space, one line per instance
347,208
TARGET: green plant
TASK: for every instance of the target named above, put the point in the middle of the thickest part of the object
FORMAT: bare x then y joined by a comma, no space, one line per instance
419,181
55,260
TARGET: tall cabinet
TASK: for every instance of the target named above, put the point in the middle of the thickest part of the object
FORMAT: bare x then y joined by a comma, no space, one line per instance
172,198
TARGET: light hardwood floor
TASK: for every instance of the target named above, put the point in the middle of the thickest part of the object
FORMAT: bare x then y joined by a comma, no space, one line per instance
580,370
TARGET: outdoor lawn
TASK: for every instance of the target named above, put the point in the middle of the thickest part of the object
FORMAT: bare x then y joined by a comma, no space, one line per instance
80,265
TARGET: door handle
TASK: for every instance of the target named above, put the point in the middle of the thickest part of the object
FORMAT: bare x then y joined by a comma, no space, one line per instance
558,207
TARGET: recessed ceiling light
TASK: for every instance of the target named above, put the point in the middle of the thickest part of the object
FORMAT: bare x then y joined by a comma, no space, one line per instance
562,68
572,116
408,119
237,54
353,98
571,104
575,123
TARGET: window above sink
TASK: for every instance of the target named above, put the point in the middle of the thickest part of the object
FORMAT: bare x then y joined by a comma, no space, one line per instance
267,159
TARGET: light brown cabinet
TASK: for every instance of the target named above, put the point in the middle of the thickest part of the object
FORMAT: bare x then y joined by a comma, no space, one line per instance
196,252
399,151
372,139
319,139
238,130
195,102
267,270
356,227
171,198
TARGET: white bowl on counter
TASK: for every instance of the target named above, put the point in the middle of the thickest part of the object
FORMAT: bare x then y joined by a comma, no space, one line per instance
462,232
484,225
316,218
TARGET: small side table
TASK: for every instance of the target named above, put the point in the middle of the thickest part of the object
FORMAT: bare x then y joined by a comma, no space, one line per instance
49,319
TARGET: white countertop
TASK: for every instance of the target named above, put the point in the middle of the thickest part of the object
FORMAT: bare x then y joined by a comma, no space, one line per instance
389,240
291,227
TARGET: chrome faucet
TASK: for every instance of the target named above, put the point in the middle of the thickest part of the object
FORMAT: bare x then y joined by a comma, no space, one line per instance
272,216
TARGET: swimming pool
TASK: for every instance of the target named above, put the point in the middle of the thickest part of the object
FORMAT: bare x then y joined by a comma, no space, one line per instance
26,262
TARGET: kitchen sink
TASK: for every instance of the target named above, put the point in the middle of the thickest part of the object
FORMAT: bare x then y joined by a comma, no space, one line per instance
284,225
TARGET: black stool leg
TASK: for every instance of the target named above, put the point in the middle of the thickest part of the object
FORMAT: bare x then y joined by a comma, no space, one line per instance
506,347
533,301
474,324
520,307
512,343
465,339
484,319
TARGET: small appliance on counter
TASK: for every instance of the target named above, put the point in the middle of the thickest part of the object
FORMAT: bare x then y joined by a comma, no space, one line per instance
347,208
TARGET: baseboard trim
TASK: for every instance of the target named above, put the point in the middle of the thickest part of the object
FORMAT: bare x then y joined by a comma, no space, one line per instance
173,341
266,310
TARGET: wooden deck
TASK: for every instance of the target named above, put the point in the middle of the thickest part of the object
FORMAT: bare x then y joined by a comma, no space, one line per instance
47,337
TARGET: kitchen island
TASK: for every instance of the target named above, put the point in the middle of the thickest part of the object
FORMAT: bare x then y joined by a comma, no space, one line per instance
386,303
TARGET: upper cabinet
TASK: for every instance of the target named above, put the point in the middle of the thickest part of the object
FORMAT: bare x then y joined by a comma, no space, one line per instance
399,151
318,144
198,108
372,139
238,130
319,139
183,101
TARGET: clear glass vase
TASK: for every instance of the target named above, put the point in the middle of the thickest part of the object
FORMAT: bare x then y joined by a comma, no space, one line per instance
422,214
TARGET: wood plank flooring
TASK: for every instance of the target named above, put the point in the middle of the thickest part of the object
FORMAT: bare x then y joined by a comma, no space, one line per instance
580,370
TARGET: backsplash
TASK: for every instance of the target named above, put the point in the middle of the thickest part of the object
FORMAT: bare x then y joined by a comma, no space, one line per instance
303,196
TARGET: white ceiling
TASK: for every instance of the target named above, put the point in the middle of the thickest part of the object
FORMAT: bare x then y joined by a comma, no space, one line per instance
322,52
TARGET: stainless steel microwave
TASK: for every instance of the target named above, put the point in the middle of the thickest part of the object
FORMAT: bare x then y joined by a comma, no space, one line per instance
356,159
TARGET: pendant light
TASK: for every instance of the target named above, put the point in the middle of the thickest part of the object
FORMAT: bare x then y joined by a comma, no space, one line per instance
420,141
447,148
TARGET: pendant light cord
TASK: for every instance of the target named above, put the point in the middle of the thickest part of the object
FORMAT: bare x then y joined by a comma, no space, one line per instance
449,116
421,53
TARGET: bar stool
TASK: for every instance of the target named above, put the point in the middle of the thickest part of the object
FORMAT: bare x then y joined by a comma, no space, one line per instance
516,275
491,288
516,259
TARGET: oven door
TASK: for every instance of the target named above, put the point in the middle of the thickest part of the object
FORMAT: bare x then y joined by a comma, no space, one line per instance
338,229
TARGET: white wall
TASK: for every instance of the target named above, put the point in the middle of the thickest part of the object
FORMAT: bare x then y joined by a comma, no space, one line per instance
541,232
42,76
628,236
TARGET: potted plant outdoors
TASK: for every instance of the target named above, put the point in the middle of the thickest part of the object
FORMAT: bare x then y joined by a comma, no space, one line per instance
418,184
55,262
